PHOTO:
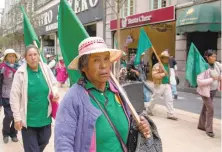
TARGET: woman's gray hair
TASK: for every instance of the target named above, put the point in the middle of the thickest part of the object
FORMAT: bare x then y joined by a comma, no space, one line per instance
30,47
83,62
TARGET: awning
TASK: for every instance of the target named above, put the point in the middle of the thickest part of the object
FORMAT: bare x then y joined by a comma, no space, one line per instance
199,18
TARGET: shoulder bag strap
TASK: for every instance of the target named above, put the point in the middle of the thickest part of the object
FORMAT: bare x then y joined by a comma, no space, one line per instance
110,122
107,117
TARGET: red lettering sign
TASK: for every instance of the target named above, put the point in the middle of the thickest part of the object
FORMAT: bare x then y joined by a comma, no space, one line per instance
156,16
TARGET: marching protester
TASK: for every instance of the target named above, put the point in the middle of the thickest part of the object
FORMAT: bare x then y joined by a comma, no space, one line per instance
51,63
30,102
81,121
209,82
61,72
123,69
162,86
173,76
123,60
7,71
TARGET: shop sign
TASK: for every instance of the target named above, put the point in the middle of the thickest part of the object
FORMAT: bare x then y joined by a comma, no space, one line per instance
87,10
83,5
155,16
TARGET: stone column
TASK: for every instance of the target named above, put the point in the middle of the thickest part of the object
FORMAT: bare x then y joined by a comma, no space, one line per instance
181,56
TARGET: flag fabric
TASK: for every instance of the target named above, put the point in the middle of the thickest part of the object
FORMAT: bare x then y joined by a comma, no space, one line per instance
71,33
143,45
195,65
29,33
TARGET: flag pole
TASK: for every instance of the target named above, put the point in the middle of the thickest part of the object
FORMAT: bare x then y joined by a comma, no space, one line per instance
45,72
132,109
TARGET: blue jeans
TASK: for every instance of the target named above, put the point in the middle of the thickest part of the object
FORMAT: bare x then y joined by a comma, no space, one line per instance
174,89
146,94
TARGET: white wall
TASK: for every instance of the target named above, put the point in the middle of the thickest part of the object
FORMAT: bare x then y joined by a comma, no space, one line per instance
99,29
142,6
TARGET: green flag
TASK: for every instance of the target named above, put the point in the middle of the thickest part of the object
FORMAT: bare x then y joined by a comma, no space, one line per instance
143,45
195,65
29,33
71,33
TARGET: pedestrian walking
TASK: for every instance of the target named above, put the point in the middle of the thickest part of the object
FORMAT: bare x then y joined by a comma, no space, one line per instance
123,69
81,124
30,102
7,71
51,63
61,72
162,86
209,82
173,75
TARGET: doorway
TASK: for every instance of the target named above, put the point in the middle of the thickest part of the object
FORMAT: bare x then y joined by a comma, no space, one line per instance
203,41
91,29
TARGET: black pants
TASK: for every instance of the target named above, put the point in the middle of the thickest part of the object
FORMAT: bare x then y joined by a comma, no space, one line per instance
35,139
8,121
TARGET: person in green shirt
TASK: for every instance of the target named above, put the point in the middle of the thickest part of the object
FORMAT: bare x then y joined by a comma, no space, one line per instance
80,124
30,102
161,79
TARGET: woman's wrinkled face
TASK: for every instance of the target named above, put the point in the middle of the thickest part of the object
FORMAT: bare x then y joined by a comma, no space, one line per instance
211,59
11,58
32,58
98,69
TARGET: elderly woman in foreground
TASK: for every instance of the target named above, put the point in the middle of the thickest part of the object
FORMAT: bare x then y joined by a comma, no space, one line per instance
81,124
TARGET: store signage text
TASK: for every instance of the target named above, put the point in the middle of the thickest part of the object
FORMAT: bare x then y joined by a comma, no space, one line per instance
83,5
155,16
86,10
138,19
45,18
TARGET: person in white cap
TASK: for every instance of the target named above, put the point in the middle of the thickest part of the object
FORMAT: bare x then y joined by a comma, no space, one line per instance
7,71
161,79
81,124
52,63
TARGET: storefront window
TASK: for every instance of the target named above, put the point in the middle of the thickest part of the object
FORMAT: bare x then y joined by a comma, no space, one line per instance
156,4
127,8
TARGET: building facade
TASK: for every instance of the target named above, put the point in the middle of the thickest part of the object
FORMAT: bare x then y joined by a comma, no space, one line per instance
198,22
45,21
161,29
12,23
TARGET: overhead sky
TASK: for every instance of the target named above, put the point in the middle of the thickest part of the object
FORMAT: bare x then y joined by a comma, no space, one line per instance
2,3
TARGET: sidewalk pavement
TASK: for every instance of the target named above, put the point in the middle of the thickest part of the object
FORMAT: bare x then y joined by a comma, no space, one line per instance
177,136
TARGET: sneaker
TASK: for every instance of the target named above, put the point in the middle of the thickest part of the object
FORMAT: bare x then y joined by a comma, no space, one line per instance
14,139
5,139
210,134
172,117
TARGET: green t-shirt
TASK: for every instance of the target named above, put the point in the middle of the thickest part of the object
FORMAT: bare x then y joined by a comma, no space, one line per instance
38,90
166,78
106,140
123,63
